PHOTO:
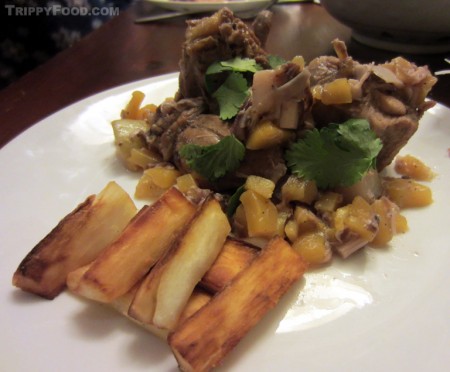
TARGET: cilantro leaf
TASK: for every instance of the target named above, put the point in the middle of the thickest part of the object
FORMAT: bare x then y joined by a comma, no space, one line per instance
337,155
214,161
229,83
234,201
231,95
237,64
275,61
358,135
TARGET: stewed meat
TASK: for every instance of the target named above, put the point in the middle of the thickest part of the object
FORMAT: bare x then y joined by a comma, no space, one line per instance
390,96
217,38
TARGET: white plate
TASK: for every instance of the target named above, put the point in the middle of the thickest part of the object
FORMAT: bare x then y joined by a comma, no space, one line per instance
209,6
381,310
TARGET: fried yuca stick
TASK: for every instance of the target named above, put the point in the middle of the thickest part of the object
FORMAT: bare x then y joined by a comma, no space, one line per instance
234,257
126,261
164,293
203,340
76,240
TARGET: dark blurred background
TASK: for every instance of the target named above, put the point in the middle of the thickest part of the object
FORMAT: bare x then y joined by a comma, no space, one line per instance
28,39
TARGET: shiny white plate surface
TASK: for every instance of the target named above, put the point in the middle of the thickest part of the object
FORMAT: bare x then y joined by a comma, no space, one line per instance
209,6
381,310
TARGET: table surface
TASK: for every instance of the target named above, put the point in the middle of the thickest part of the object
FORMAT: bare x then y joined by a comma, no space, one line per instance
122,51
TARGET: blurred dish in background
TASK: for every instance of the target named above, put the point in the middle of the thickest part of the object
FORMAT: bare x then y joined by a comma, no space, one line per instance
406,26
209,5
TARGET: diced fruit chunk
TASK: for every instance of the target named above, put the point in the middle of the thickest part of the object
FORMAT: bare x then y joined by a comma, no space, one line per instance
132,108
260,213
267,135
126,138
313,247
336,92
328,202
387,214
296,189
412,167
357,218
155,181
262,186
407,193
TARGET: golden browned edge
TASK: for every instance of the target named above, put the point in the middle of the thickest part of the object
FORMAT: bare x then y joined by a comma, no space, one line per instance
47,252
204,339
127,260
44,269
235,256
145,304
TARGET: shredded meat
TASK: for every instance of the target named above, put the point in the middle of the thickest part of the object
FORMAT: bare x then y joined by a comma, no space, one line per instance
217,38
171,118
390,96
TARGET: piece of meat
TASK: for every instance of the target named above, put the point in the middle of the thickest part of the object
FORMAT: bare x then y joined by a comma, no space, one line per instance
390,96
217,38
202,130
281,95
170,119
268,163
261,26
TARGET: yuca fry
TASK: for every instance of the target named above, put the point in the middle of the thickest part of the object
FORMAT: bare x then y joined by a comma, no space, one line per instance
198,299
164,293
122,303
74,277
234,257
126,261
203,340
75,241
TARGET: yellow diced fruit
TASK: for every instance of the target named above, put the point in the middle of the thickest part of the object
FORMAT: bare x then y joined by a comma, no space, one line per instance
336,92
296,189
186,182
143,158
260,185
299,61
291,230
239,221
358,217
126,138
387,213
407,193
132,108
411,167
261,215
313,247
155,181
281,222
146,111
328,202
267,135
307,221
401,224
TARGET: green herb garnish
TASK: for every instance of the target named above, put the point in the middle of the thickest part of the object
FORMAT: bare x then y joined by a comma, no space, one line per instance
231,95
214,161
236,64
229,83
337,155
234,201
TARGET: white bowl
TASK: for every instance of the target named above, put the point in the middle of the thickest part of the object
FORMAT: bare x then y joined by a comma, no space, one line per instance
409,26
